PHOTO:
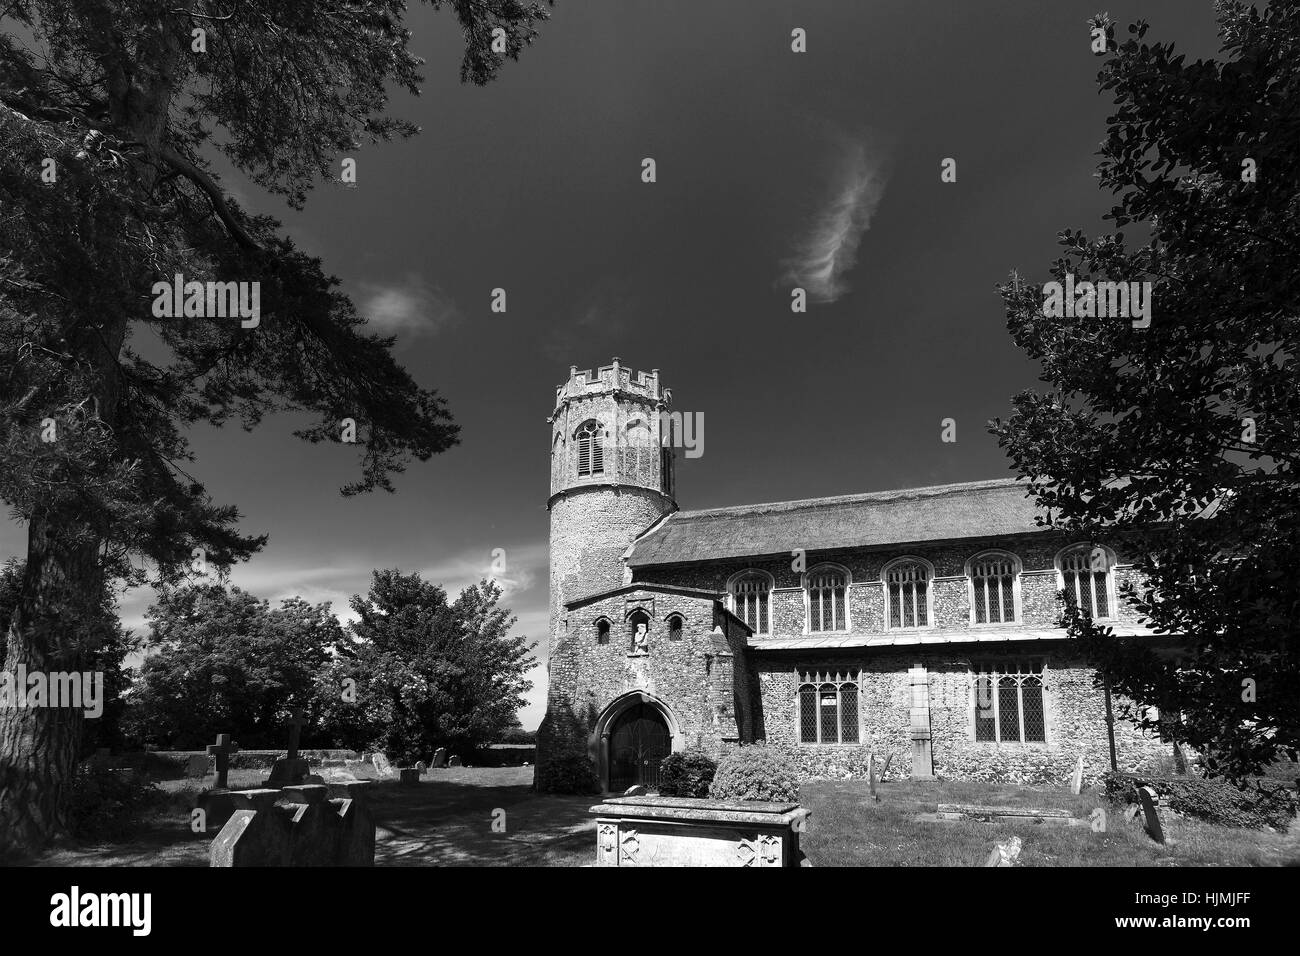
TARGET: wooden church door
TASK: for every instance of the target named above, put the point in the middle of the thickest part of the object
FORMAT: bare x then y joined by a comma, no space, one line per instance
637,744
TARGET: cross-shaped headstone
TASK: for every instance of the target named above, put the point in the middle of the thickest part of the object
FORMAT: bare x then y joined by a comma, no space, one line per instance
295,723
222,749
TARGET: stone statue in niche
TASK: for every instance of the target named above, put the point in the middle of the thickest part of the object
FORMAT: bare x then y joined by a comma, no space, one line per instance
639,639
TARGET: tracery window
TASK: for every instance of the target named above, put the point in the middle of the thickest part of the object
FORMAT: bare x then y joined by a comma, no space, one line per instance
828,708
907,593
827,589
1007,700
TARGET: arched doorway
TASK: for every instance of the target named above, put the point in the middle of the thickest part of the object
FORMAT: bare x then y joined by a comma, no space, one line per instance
638,741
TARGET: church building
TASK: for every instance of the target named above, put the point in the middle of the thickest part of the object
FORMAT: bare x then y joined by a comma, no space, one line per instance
918,625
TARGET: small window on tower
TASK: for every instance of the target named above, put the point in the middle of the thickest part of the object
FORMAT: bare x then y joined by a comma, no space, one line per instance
675,625
602,631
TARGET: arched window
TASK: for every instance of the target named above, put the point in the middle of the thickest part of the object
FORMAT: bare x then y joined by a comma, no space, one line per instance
675,624
602,631
826,589
907,593
994,578
828,708
751,599
1086,579
591,448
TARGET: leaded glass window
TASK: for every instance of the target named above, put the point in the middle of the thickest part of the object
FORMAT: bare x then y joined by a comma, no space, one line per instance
1007,698
828,708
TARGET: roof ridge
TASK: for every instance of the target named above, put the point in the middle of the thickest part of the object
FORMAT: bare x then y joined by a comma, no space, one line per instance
888,495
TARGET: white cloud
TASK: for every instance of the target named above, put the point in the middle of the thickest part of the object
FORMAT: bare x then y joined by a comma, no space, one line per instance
829,250
411,307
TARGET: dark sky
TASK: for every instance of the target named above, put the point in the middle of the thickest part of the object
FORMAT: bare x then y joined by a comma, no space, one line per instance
770,165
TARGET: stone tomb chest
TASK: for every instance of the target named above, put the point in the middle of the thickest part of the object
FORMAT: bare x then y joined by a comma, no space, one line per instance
681,831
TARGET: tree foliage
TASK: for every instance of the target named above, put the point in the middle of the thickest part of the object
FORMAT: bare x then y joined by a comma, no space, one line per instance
427,672
1183,438
224,661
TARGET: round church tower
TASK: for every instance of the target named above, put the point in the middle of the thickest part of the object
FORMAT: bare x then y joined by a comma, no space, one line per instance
611,479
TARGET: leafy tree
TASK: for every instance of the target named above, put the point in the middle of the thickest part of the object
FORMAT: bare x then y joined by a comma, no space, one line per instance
1183,437
107,111
427,672
228,662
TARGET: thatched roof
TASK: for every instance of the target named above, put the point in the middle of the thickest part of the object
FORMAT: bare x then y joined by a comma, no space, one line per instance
977,509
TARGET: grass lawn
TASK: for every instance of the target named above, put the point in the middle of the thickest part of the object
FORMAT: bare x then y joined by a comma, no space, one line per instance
447,821
848,829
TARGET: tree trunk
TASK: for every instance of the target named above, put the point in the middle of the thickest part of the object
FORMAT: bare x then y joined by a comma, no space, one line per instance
39,745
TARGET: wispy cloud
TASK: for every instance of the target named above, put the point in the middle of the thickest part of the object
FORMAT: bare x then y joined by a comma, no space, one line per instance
823,257
411,307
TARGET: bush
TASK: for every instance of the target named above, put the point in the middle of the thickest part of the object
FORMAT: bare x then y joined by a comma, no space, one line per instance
686,774
568,772
756,772
1215,801
105,803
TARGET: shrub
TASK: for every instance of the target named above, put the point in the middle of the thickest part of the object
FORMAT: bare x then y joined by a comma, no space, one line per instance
686,774
105,803
756,772
568,772
1215,801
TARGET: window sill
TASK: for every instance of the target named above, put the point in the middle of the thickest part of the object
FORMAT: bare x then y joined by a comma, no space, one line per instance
998,745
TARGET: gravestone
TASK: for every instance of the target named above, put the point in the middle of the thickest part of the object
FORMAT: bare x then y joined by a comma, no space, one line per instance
196,768
298,826
255,834
313,833
1151,819
408,776
454,762
381,764
290,770
1180,760
1076,781
421,766
871,776
440,757
636,790
222,750
1004,854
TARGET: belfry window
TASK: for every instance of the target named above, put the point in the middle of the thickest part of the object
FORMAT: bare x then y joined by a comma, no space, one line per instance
591,449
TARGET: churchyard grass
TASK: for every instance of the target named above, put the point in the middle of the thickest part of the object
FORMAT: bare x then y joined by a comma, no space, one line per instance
848,829
447,821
